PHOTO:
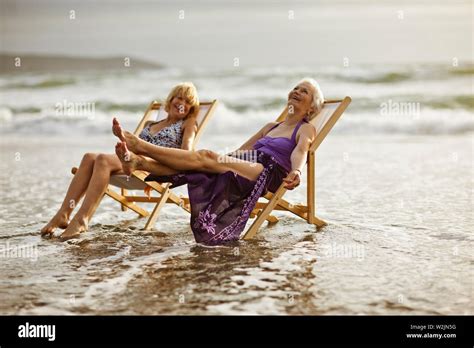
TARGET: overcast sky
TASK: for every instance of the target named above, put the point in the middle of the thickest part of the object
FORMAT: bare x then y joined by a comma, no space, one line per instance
259,33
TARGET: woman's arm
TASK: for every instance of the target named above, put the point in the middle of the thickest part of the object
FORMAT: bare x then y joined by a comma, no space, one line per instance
189,133
248,145
299,155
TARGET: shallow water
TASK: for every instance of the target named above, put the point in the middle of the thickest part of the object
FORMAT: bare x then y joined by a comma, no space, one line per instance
400,218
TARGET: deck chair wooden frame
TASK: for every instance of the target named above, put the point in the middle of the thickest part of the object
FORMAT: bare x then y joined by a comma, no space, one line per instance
137,180
263,210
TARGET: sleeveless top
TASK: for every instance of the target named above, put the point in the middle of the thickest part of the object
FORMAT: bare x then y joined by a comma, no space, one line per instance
279,147
171,136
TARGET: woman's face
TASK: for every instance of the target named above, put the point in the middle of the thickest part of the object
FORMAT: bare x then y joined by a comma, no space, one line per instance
179,107
300,99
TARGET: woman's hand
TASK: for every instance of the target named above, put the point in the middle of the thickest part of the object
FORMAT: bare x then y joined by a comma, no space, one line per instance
293,179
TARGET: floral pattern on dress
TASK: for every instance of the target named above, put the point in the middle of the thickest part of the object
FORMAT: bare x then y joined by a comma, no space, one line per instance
233,230
221,204
206,221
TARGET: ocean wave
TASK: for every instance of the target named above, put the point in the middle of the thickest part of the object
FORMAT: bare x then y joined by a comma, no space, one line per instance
265,103
248,97
229,121
381,78
453,102
43,83
26,110
53,124
127,107
467,70
397,74
361,73
267,75
447,102
427,122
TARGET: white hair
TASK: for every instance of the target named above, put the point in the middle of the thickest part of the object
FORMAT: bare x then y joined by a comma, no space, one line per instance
318,97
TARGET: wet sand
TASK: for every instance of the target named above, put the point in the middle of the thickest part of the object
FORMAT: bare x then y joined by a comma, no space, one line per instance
398,241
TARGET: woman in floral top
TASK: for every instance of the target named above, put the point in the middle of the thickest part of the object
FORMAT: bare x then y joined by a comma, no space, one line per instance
91,179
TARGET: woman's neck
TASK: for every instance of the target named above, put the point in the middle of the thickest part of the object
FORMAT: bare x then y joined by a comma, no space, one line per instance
172,119
292,119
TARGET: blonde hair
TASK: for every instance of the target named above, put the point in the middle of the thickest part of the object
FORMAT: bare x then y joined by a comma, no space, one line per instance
318,97
188,91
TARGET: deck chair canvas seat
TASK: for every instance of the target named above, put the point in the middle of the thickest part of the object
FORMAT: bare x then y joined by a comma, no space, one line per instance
136,182
323,122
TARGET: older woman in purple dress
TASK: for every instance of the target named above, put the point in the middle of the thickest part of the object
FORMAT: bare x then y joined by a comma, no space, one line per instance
223,190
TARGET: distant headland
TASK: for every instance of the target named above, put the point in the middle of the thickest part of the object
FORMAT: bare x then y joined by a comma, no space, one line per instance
25,62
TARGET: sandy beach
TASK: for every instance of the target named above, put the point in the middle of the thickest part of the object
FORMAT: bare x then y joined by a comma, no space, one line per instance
398,239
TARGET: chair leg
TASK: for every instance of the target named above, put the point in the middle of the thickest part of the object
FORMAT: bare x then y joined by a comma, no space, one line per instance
311,193
160,188
154,215
124,192
265,213
317,221
122,200
270,218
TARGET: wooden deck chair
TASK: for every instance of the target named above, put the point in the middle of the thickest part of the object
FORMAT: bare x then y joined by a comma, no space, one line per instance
323,123
136,181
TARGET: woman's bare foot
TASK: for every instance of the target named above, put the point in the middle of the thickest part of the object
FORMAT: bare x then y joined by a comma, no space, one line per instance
75,228
130,161
117,129
58,220
132,141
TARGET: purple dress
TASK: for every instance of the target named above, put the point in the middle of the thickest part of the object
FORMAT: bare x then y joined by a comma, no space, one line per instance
221,203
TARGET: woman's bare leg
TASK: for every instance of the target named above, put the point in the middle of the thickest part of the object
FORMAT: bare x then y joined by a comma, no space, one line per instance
131,162
76,190
104,166
182,160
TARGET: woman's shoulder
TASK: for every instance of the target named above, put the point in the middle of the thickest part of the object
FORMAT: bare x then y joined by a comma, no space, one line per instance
267,128
308,128
147,123
270,125
189,122
151,123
